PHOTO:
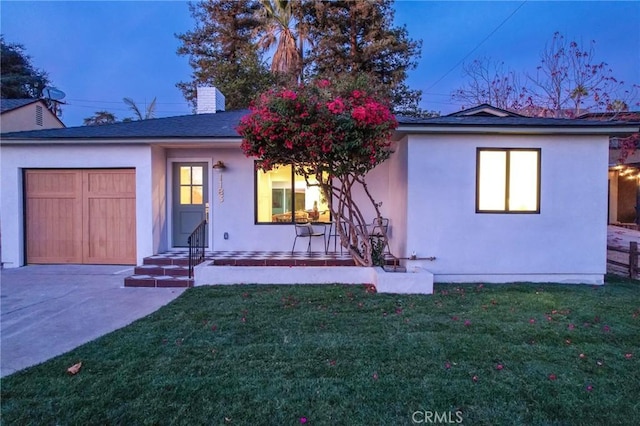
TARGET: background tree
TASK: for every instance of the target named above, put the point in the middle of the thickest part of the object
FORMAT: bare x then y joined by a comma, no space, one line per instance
149,111
276,28
358,37
568,82
223,53
343,37
100,118
18,77
488,82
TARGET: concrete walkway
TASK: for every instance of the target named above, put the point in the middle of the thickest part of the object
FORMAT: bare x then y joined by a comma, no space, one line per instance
621,237
47,310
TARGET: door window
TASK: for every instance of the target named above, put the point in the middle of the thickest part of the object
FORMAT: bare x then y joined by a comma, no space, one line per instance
191,185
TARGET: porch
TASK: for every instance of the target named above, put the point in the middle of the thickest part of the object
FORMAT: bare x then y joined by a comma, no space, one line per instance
170,269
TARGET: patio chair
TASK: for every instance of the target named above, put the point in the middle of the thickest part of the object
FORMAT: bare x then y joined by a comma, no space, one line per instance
379,228
306,230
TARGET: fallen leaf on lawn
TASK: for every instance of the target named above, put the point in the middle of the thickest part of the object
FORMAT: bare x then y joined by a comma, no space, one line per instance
75,368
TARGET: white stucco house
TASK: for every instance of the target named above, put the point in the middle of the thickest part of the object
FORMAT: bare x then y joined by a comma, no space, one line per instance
491,196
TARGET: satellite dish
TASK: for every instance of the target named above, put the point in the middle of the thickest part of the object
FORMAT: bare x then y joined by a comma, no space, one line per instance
53,93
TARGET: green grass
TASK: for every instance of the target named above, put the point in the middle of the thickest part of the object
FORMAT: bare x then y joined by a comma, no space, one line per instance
284,355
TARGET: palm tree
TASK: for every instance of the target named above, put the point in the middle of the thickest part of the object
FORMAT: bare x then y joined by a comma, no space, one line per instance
149,112
277,17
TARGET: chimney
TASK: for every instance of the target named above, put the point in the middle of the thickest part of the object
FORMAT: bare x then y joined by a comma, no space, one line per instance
210,100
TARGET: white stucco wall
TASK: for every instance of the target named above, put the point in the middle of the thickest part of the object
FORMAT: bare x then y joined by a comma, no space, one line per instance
24,118
565,242
235,215
159,199
427,189
16,158
397,195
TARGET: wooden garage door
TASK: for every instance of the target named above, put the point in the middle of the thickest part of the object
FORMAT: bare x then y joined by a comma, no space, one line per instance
80,216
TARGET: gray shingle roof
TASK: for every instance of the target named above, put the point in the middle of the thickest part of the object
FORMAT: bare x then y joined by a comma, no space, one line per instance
479,111
11,104
223,124
218,125
469,121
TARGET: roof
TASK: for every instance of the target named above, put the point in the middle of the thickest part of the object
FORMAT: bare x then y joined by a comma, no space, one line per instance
218,125
7,105
520,124
485,110
222,125
619,116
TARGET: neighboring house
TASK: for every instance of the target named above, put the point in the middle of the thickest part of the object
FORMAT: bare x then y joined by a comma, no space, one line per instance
624,173
26,114
493,196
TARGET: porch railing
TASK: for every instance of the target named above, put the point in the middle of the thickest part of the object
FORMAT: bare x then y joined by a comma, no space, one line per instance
196,242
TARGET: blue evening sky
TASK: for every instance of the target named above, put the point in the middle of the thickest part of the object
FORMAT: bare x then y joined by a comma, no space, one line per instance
100,52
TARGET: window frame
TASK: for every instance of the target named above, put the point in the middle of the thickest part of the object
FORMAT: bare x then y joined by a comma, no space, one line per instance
292,193
507,151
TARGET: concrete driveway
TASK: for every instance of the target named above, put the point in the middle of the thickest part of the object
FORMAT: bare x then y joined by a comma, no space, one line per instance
47,310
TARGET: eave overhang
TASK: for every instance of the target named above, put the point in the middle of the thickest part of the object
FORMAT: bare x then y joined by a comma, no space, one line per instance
159,142
617,130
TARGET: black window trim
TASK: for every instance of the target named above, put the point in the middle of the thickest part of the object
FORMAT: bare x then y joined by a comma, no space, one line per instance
255,199
506,194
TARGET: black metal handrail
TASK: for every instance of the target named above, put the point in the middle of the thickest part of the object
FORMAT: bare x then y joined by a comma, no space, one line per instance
196,243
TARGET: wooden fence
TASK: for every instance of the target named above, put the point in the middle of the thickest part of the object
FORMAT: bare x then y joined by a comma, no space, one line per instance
623,260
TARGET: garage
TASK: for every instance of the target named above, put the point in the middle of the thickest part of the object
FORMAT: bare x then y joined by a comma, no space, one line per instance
80,216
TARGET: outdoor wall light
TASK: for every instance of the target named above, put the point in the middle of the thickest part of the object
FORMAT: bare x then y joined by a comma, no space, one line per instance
220,167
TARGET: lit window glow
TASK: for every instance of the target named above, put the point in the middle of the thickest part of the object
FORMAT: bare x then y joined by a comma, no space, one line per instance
285,197
492,180
508,180
523,181
191,185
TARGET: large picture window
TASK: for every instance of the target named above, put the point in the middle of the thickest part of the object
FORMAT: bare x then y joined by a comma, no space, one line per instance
284,197
508,180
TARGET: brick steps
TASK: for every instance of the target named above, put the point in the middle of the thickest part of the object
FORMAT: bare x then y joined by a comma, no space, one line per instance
161,271
157,281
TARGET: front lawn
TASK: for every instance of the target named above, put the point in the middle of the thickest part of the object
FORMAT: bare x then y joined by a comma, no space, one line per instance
290,355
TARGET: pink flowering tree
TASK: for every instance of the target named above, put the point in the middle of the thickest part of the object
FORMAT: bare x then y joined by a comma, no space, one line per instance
333,134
